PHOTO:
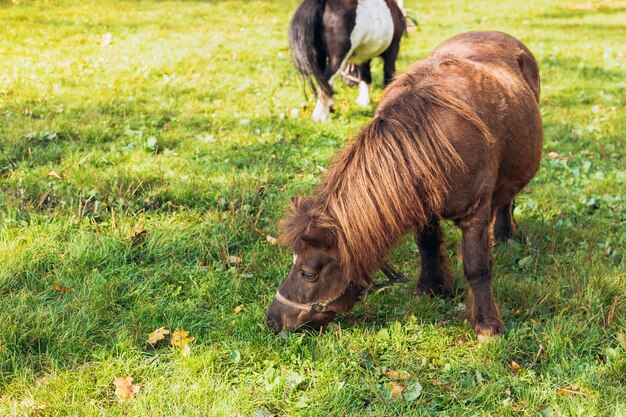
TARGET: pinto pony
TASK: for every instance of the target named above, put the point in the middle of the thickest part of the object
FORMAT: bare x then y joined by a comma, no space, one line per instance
326,34
456,137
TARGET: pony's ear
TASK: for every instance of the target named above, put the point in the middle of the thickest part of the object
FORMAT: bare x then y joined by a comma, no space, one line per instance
319,238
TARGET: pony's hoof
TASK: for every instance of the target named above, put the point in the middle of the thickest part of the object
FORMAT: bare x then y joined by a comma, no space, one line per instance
363,101
364,95
433,292
486,339
488,330
321,112
321,116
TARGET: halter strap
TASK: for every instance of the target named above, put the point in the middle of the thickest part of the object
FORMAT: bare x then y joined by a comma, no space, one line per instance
323,306
317,307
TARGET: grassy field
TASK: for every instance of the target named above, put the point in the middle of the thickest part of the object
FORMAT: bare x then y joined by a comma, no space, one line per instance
136,168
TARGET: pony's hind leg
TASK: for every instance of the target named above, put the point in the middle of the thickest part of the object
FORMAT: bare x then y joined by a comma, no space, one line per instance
321,112
504,223
435,277
325,102
389,59
364,85
338,50
476,250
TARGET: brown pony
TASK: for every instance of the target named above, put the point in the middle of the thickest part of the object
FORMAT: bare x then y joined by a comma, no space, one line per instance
456,137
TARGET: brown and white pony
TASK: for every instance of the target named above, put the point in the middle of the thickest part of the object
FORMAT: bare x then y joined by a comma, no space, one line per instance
326,34
456,137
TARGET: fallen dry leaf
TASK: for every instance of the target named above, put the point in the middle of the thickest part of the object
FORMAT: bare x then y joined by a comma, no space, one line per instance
234,259
106,40
27,402
180,339
573,390
124,388
515,367
397,375
239,309
435,382
553,155
158,334
271,239
507,391
54,174
396,389
61,288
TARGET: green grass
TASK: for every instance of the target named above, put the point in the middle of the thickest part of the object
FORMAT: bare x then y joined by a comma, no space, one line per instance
192,126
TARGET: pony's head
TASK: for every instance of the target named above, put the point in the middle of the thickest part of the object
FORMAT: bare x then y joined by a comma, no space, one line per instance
317,286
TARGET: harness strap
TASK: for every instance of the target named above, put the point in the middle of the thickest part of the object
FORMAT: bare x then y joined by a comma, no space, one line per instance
317,307
323,306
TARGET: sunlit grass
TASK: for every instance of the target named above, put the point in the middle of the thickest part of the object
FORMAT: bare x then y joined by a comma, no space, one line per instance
192,126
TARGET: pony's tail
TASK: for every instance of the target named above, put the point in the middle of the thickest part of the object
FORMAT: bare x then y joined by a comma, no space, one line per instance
305,40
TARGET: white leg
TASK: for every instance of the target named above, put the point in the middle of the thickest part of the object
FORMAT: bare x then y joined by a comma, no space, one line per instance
364,94
321,113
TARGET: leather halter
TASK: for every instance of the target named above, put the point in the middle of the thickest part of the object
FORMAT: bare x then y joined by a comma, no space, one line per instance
316,307
323,306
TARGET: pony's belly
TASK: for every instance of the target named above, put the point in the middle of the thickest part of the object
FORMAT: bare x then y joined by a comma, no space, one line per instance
373,31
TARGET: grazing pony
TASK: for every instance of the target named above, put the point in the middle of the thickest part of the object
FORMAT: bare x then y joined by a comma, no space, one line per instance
326,34
456,137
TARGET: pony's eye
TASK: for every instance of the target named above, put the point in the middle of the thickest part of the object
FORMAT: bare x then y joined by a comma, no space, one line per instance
308,276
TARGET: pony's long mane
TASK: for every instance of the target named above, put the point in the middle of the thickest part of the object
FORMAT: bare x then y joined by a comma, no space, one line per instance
392,178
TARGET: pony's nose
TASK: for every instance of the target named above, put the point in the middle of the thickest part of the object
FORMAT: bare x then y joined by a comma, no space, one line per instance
274,325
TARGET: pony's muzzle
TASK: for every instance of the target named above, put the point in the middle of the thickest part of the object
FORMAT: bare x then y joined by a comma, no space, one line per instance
280,317
274,318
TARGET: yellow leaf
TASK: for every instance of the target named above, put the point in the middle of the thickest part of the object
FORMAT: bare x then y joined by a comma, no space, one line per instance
54,174
234,259
158,334
61,288
515,367
124,388
573,390
180,339
239,309
397,375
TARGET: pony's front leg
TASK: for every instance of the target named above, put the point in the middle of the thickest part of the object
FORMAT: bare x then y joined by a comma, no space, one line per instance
435,277
476,250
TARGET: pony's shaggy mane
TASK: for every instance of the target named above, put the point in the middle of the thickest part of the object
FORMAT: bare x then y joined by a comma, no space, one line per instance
405,152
